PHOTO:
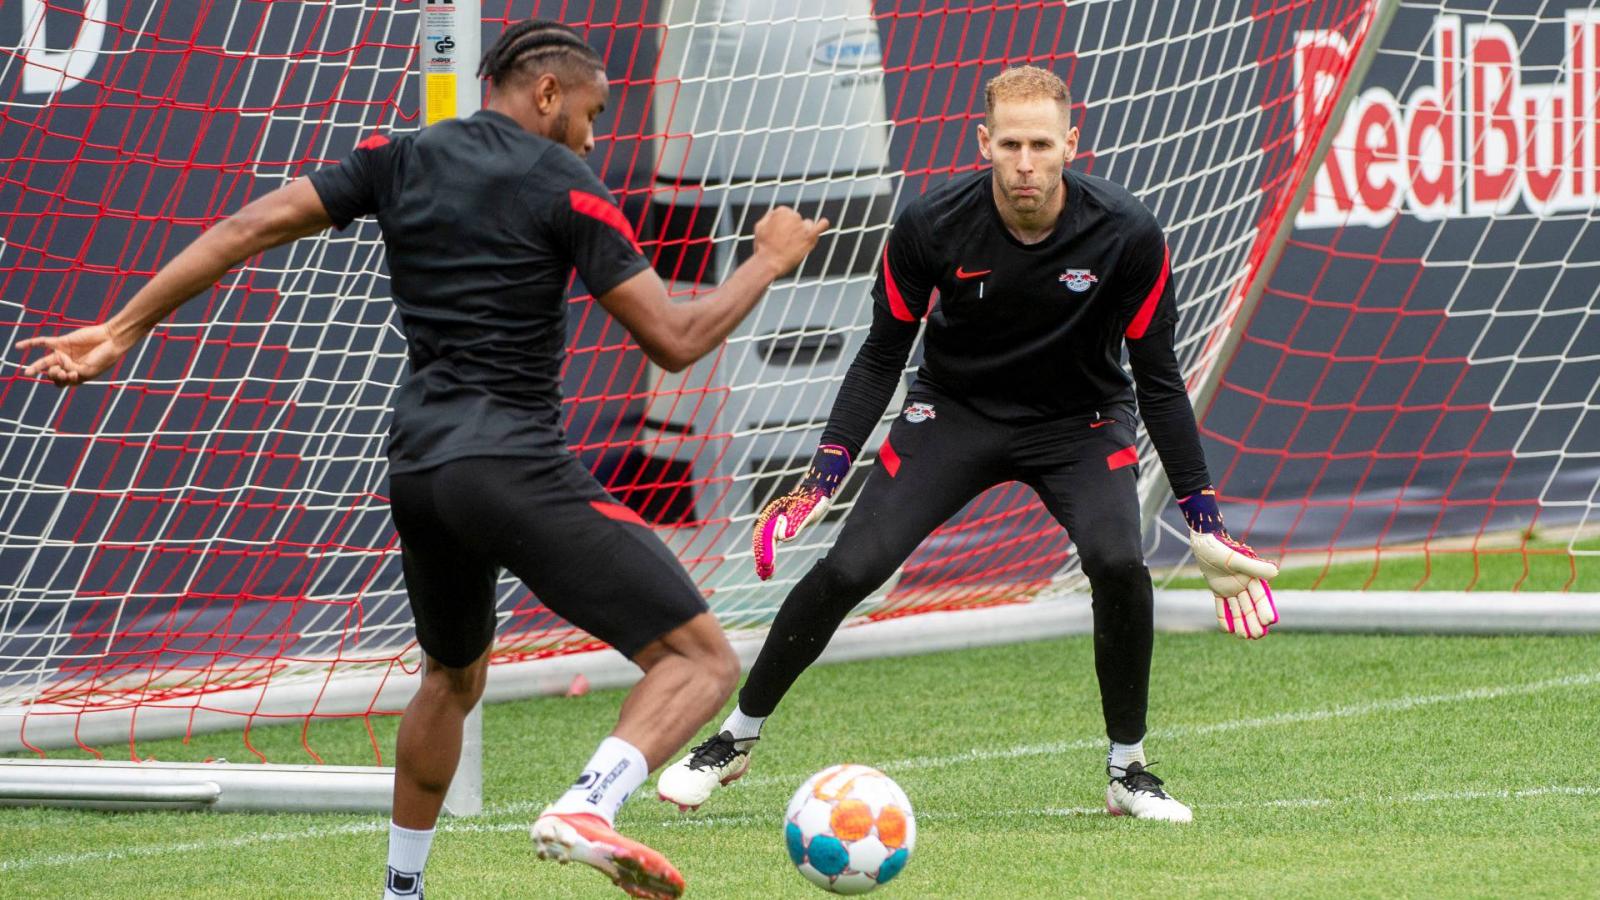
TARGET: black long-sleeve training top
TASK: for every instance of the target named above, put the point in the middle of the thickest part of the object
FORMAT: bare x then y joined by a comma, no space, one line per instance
1028,332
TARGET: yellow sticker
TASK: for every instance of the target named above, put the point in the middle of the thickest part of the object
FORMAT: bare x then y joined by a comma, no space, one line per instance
440,102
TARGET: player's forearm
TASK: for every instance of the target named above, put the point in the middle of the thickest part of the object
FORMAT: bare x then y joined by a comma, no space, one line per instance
1167,413
869,384
285,214
702,325
199,266
1176,438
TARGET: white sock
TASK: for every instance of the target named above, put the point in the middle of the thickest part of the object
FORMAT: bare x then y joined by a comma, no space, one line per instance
1121,755
615,770
745,729
408,854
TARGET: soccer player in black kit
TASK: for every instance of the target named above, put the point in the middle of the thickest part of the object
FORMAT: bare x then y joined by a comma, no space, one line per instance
1043,276
483,219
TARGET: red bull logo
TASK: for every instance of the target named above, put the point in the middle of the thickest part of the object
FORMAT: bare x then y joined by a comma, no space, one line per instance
1476,141
1078,280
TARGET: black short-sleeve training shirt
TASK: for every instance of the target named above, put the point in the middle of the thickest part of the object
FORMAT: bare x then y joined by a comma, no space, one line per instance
483,222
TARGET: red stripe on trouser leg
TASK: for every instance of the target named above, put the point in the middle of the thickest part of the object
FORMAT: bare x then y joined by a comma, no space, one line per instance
1127,456
616,511
891,459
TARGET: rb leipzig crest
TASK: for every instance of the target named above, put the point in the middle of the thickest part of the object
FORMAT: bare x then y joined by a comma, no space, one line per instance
1078,280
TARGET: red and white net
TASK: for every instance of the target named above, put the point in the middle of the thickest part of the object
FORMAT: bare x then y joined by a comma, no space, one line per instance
1419,379
208,524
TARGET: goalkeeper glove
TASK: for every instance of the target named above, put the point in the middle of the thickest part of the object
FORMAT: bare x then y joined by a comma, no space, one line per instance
1238,578
783,518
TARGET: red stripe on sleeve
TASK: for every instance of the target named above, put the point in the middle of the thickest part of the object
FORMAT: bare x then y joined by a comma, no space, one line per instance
1127,456
1147,310
597,208
897,303
373,143
617,511
890,459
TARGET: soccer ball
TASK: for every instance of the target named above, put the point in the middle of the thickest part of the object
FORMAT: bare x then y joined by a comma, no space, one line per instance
849,829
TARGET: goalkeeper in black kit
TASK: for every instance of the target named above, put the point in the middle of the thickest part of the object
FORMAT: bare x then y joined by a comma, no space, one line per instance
1043,276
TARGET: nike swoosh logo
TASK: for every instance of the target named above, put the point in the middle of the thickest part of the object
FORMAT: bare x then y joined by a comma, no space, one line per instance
963,273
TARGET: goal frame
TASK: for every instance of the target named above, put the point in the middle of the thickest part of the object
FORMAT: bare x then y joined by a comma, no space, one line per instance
230,787
301,788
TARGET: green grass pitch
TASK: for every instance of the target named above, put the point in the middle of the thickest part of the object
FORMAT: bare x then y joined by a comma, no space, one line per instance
1318,765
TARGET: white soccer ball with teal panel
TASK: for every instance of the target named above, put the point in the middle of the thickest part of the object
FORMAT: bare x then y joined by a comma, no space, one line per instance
849,829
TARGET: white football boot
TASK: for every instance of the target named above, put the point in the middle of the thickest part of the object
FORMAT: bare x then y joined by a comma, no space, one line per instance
1138,793
690,781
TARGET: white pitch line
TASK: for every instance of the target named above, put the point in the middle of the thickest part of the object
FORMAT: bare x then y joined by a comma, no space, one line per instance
455,827
1399,704
1288,803
1053,748
206,846
1557,790
271,837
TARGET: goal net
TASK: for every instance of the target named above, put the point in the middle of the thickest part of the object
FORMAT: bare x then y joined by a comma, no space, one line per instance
1416,391
201,539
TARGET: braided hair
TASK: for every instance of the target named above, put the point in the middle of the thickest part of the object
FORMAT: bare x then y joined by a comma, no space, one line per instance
533,46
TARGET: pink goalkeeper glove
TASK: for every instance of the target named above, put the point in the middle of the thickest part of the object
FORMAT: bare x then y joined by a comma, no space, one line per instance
1237,576
783,518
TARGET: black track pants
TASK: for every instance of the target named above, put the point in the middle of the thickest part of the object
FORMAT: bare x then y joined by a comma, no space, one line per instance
1083,468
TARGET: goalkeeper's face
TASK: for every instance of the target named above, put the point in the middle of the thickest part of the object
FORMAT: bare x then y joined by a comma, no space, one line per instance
1029,142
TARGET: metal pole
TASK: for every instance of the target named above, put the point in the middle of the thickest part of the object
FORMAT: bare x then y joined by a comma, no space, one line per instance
220,787
449,44
465,797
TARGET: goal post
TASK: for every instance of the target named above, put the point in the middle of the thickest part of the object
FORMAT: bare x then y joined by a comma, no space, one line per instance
449,47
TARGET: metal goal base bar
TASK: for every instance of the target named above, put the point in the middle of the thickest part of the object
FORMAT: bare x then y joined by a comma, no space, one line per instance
223,787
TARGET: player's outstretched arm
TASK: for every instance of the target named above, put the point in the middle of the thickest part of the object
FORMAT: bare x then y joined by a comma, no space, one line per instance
674,335
290,212
900,297
1237,576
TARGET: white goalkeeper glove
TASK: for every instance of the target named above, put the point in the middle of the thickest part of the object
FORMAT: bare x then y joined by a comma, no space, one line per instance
1237,576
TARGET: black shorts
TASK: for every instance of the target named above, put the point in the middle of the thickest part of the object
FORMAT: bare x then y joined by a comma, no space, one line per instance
940,454
587,558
